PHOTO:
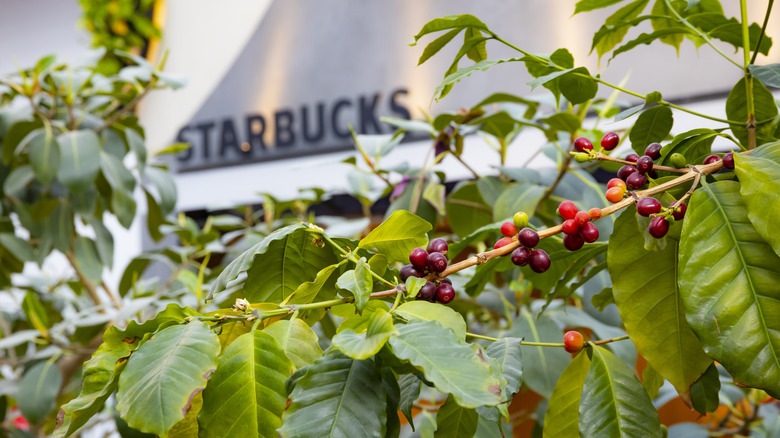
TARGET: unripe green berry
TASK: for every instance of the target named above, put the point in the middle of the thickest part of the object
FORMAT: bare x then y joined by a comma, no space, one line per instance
678,160
581,157
520,219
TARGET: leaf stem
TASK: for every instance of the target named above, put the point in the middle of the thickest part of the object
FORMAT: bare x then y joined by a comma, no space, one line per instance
751,108
698,32
763,31
354,259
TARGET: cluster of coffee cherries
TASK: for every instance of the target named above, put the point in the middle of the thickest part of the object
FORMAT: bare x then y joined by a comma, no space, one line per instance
635,176
577,226
659,224
524,255
433,260
583,146
728,160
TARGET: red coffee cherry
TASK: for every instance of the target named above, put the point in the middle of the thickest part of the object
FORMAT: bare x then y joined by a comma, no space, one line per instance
644,164
590,233
648,206
573,341
636,181
508,229
626,171
610,141
445,293
418,257
582,144
570,226
427,292
528,237
653,151
573,242
582,218
436,262
539,261
521,256
632,158
410,271
678,215
438,245
567,210
711,159
728,160
502,242
659,226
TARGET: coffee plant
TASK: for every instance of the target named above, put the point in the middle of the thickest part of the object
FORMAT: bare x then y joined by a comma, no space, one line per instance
663,287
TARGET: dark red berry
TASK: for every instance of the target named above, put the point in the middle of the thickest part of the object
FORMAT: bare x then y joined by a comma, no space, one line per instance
632,158
521,255
590,233
610,141
636,181
644,164
446,280
427,292
711,159
728,160
438,245
679,215
410,271
436,262
528,237
418,257
582,218
567,209
626,171
653,151
573,341
508,229
570,226
582,144
502,242
658,227
573,242
652,174
648,206
445,293
539,261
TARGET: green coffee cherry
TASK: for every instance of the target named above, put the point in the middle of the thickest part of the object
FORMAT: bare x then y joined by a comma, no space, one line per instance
520,219
678,161
581,157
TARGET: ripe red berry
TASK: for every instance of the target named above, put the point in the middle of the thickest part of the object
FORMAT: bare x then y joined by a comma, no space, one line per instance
626,171
573,341
728,160
436,262
573,242
590,233
528,237
582,218
446,280
508,229
427,292
610,141
711,159
659,226
445,293
582,144
410,271
615,194
648,206
632,158
653,151
418,257
644,164
539,261
678,215
438,245
636,181
502,242
521,255
616,182
570,226
567,210
594,213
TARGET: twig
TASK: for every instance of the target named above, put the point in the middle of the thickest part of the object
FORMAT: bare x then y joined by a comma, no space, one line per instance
127,108
604,157
88,285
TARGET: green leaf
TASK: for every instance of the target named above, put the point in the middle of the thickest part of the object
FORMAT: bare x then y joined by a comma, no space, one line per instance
466,210
518,197
18,180
759,174
693,145
613,402
413,286
449,22
165,186
368,343
602,299
651,126
671,34
310,290
434,46
652,381
644,285
447,361
136,143
297,340
410,391
164,374
44,155
768,74
674,39
616,27
736,109
117,175
454,421
704,392
562,416
434,193
104,241
188,426
80,152
38,391
578,86
246,395
398,235
425,311
566,122
35,312
17,138
508,353
332,400
87,258
359,282
731,295
456,75
589,5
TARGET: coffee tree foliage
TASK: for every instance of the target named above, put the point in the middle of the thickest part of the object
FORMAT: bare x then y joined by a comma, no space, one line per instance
282,323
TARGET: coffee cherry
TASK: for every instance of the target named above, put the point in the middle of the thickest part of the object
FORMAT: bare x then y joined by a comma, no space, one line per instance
590,233
446,280
410,271
573,242
594,213
436,262
616,182
658,227
520,220
539,261
644,164
528,237
508,229
678,215
573,341
582,144
581,157
438,245
678,160
418,257
636,181
502,242
615,194
581,218
653,151
625,172
521,255
570,226
632,158
728,160
610,141
711,159
567,210
648,206
445,293
427,292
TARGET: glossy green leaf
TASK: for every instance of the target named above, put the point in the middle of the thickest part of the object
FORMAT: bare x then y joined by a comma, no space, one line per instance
297,340
413,286
410,391
164,374
44,155
675,35
759,174
566,122
704,392
508,353
38,391
359,282
455,75
246,396
520,197
652,126
616,27
652,381
311,290
693,145
449,22
368,343
578,86
188,426
434,46
664,35
447,361
425,311
562,416
589,5
644,286
613,402
731,297
768,74
332,400
397,236
467,210
454,421
736,109
80,152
